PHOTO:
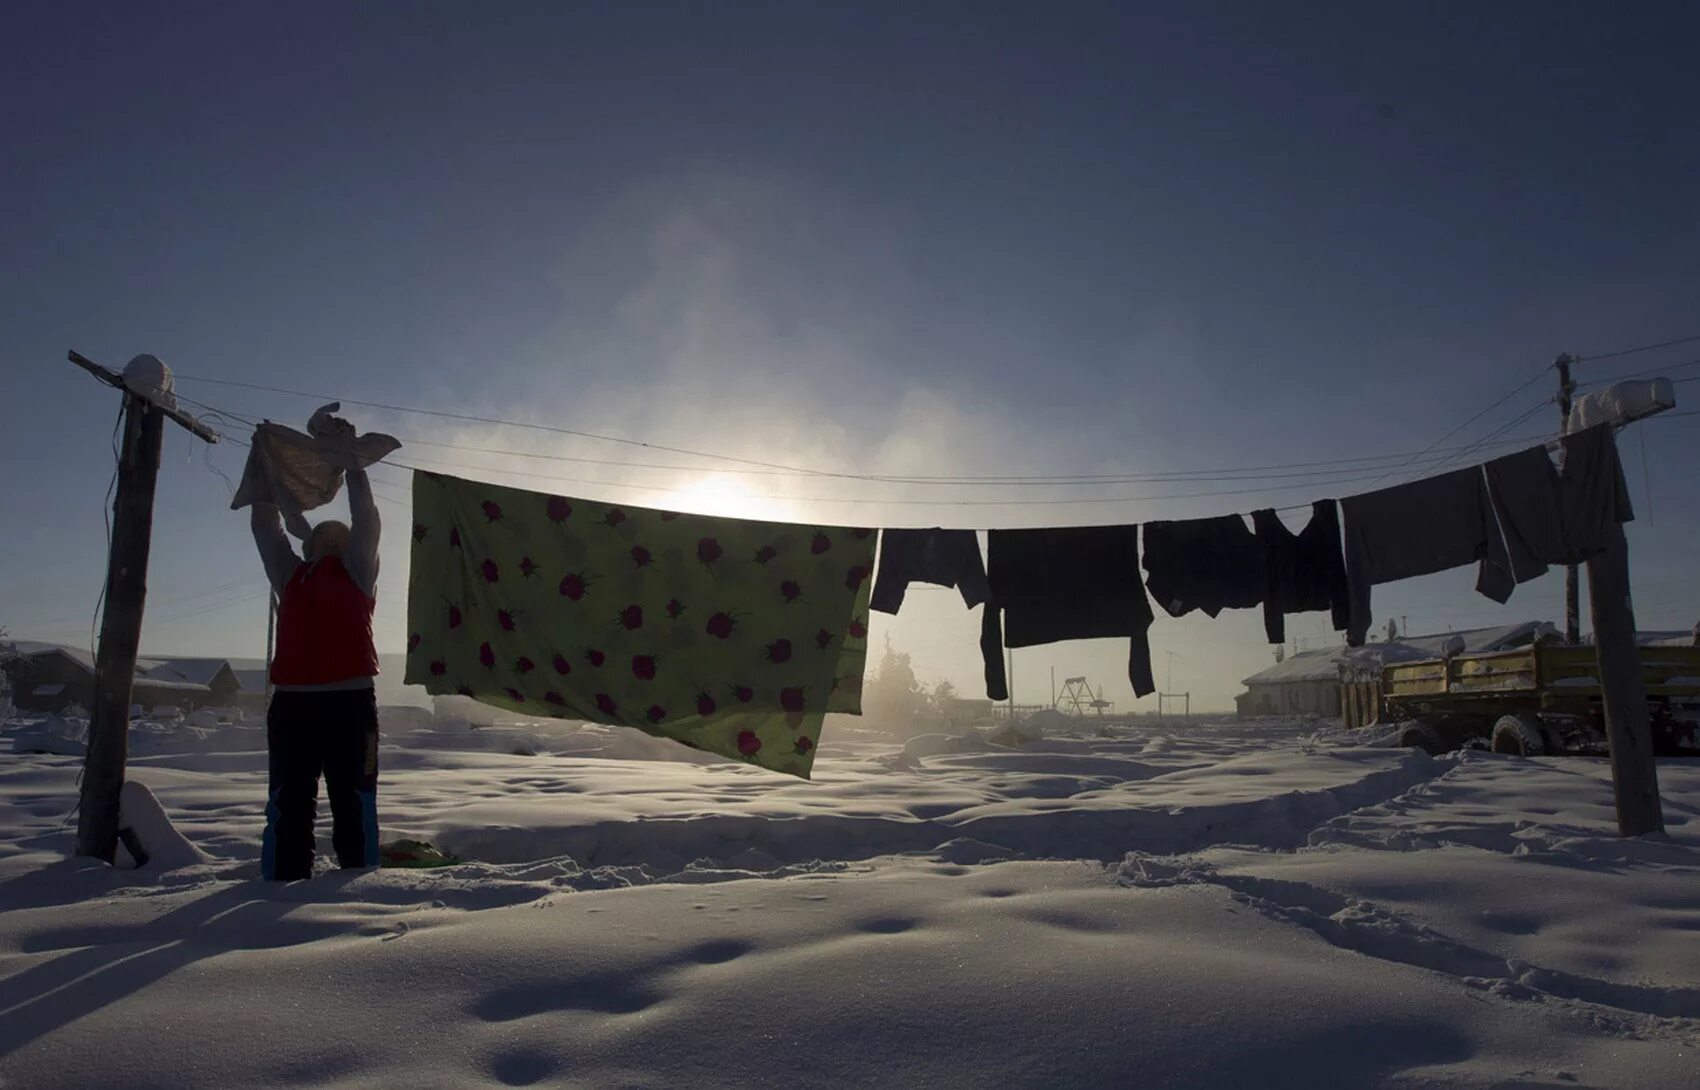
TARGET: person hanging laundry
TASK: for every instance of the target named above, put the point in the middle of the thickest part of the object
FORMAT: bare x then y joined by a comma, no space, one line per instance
323,717
1305,571
297,472
1070,584
728,635
1207,564
945,558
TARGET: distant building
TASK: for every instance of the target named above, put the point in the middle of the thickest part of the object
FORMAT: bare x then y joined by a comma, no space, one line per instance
50,677
1308,683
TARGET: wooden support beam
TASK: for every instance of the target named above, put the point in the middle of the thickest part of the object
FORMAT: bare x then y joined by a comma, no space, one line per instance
1634,774
120,629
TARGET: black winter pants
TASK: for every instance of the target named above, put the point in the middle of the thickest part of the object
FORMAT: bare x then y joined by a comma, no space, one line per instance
308,733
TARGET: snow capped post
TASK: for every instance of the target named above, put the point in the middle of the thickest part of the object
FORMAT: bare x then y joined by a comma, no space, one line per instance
148,400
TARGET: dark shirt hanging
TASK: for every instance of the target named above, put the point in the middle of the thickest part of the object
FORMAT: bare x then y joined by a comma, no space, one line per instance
1305,571
1513,515
1408,530
945,558
1525,524
1071,584
1593,496
1206,564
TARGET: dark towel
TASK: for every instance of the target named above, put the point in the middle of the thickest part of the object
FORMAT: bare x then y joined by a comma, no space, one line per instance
1306,571
1525,525
1071,584
1206,564
1593,497
1408,530
945,558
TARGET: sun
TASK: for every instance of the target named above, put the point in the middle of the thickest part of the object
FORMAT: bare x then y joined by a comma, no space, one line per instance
726,495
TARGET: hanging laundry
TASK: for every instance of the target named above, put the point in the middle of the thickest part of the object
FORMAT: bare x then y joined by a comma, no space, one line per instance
1070,584
1205,564
1593,495
1525,521
299,472
1408,530
1305,571
945,558
1513,516
728,635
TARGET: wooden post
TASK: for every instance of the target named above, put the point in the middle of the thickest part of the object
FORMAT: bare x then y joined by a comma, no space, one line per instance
1634,774
120,629
1572,591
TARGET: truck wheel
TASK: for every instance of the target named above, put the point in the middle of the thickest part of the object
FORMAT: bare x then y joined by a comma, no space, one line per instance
1519,734
1426,738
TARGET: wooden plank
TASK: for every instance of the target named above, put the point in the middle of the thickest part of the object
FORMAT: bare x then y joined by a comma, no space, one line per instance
120,629
1634,774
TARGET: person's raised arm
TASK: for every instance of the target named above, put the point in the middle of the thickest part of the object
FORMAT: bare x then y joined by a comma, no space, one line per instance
363,531
276,553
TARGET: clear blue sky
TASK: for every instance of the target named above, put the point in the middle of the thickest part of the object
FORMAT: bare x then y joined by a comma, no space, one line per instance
898,238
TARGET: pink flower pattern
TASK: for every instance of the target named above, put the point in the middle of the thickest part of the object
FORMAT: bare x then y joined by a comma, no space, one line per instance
747,671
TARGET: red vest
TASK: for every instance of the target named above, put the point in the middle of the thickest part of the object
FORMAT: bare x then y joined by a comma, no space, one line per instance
324,627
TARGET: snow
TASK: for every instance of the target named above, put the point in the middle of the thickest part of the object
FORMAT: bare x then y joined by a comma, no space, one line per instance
1324,664
1182,903
1621,403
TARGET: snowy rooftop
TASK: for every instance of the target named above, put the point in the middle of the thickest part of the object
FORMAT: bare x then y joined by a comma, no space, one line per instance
1324,664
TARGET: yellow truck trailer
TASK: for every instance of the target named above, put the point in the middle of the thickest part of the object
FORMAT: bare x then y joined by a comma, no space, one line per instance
1544,698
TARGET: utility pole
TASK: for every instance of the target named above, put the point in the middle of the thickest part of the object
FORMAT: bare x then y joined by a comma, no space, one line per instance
121,618
1053,688
1572,592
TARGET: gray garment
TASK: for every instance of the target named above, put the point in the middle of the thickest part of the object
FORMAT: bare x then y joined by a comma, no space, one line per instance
298,472
1593,497
1548,516
1515,515
945,558
1408,530
1525,527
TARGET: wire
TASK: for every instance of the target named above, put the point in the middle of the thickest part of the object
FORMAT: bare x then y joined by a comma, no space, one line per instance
966,480
1649,372
908,502
1462,457
1234,473
1530,381
1638,348
517,424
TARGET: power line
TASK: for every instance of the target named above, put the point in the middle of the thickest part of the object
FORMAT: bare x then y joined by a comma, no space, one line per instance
1648,373
515,424
1530,381
1488,440
1261,472
1639,348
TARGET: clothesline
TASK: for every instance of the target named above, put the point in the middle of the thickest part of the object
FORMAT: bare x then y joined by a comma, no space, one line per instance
939,480
1344,475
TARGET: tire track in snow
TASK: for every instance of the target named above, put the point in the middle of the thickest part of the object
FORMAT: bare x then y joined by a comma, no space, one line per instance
1363,927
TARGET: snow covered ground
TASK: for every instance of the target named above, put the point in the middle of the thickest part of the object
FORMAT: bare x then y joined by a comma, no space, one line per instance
1180,904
